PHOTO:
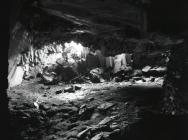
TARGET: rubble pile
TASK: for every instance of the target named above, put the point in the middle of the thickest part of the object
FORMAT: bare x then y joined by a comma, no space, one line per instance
60,53
72,62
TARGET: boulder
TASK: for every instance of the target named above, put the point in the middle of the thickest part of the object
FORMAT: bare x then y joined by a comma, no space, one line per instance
96,75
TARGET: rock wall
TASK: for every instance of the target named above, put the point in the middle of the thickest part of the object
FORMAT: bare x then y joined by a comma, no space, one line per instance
20,42
175,83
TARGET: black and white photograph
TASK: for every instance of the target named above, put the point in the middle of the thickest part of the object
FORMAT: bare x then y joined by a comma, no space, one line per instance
96,70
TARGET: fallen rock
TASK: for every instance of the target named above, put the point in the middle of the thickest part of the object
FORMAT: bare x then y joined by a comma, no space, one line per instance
161,69
146,69
137,72
58,91
152,79
155,71
117,79
73,88
72,134
83,133
106,135
44,106
102,135
105,121
86,112
60,84
114,126
90,99
137,78
158,70
95,115
67,109
72,125
82,111
105,106
97,137
36,105
159,79
45,87
83,106
28,77
143,80
51,137
126,68
69,89
47,79
60,61
99,128
115,132
96,75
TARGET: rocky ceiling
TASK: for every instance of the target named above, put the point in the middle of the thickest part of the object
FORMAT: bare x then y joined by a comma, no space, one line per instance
100,14
111,12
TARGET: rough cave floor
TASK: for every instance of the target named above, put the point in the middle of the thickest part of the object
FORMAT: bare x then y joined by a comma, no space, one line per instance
110,110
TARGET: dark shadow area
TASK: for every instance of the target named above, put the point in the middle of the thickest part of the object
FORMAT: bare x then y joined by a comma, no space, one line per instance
159,127
152,125
142,95
169,16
